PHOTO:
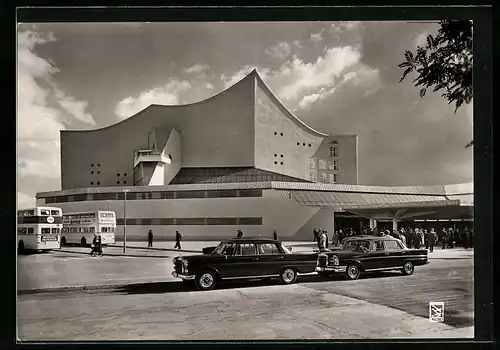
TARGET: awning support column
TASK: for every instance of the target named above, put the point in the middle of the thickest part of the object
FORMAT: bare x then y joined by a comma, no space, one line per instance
373,223
395,224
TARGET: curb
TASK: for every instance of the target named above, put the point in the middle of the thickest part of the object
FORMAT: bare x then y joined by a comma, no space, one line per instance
161,249
115,254
85,287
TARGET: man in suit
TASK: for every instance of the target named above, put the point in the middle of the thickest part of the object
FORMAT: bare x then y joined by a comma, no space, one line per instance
178,238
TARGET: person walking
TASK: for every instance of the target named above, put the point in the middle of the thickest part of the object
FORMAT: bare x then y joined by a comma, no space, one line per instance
335,238
322,241
327,240
178,238
442,238
275,235
150,239
431,240
94,245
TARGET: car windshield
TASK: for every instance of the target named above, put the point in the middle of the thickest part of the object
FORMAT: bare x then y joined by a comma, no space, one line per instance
354,245
219,249
286,249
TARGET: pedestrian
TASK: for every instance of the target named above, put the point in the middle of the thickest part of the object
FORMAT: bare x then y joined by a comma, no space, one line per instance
327,243
402,238
416,238
466,238
315,235
341,236
335,238
94,245
442,238
178,238
99,245
150,239
450,238
422,238
431,240
322,241
275,235
239,234
426,234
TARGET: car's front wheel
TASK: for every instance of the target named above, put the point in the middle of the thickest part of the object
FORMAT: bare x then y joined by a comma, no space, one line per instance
353,272
205,280
408,268
288,275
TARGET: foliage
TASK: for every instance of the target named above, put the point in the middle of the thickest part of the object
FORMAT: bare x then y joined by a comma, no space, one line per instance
445,63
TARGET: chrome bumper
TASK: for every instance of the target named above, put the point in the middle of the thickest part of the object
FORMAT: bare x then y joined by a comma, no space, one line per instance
331,269
184,277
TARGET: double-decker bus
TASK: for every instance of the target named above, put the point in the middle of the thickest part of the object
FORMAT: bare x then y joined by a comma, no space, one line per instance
39,228
81,227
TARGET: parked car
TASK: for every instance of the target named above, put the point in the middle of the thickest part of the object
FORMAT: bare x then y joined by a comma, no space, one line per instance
361,254
244,258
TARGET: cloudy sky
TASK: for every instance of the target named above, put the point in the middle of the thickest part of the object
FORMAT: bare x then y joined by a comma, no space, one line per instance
339,77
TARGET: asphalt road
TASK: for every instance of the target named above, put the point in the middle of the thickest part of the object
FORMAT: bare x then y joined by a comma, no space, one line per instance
386,305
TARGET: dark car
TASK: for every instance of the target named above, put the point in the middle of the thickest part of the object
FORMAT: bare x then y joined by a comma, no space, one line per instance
244,258
361,254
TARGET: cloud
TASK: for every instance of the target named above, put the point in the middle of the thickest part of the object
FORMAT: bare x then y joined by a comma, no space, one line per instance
197,68
230,80
209,85
297,43
163,95
42,111
25,201
421,39
317,37
280,51
345,26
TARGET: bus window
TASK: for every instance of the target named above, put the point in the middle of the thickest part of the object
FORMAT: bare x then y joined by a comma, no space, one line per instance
30,213
45,230
92,229
55,230
103,215
55,213
30,230
21,230
44,212
104,229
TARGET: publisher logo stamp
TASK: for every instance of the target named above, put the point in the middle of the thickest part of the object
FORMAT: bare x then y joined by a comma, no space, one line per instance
436,311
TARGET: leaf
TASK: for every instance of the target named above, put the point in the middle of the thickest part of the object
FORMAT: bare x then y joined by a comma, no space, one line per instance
422,92
406,72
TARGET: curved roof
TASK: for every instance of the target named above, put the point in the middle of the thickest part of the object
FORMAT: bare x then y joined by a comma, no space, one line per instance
253,73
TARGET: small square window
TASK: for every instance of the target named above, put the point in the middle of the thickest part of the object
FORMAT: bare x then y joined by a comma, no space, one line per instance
98,183
91,182
281,133
275,155
275,133
275,162
309,145
118,175
125,182
92,165
298,143
125,174
304,144
98,165
333,151
117,182
281,156
92,172
98,172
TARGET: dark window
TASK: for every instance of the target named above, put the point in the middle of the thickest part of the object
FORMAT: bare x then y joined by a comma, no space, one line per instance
167,195
125,174
392,245
154,222
378,246
281,156
98,183
125,182
275,155
191,221
92,165
45,230
268,248
30,230
167,221
281,133
275,133
250,193
190,194
298,143
55,230
154,195
117,182
309,145
61,199
91,182
245,249
140,221
281,163
119,221
98,165
275,162
92,172
54,212
98,172
45,212
250,221
79,197
221,221
49,200
130,196
105,196
118,174
21,230
304,144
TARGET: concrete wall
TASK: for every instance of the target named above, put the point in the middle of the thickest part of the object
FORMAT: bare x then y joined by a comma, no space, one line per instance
210,130
173,147
277,134
347,159
278,213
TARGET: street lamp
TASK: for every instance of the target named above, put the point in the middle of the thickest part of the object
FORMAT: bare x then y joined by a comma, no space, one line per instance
125,221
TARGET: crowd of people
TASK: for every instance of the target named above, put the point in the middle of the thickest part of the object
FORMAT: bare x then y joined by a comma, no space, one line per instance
411,237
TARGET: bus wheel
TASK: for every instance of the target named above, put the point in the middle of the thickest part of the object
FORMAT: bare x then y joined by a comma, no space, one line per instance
20,247
83,241
63,241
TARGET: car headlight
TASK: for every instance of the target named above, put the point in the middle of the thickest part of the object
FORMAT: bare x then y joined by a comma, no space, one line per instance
334,260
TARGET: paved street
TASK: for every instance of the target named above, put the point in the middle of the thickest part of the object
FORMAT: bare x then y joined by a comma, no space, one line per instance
380,306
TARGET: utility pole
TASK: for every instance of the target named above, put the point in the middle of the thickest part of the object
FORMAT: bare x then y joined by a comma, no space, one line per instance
125,222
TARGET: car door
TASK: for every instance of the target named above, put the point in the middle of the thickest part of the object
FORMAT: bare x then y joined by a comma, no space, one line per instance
394,252
378,256
270,259
242,263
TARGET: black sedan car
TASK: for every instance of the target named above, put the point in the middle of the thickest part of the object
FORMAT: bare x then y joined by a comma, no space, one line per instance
361,254
244,258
